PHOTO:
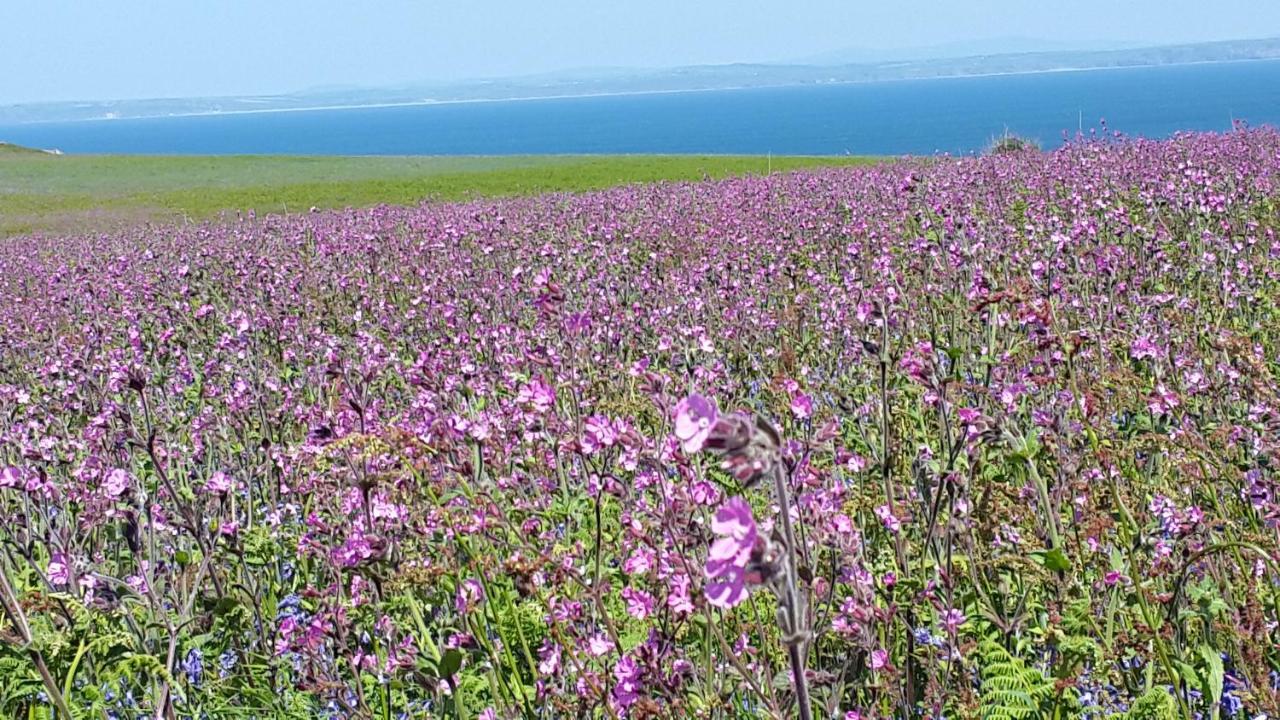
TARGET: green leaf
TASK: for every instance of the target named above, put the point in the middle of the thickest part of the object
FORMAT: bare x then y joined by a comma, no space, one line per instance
1189,674
225,605
450,663
1053,559
1214,676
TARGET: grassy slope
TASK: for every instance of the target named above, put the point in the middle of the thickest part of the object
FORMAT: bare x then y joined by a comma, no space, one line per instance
81,192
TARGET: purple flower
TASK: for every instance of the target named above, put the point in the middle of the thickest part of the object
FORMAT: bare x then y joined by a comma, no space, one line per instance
628,675
639,603
729,555
802,406
117,482
952,619
548,658
1143,347
1162,400
879,659
470,594
218,483
891,522
193,666
598,433
599,645
58,572
538,395
695,416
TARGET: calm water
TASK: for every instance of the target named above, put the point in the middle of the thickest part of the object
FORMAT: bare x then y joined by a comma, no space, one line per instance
918,117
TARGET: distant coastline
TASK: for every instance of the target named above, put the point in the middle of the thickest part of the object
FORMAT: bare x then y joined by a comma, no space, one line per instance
859,118
701,78
634,92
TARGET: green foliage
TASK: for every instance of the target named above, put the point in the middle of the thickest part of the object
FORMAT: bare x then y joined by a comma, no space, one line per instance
1010,689
1155,704
78,192
1009,144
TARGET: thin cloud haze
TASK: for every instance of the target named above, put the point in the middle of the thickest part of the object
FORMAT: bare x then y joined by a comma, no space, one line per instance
67,50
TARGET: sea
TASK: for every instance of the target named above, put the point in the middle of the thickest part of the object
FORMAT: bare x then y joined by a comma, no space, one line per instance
909,117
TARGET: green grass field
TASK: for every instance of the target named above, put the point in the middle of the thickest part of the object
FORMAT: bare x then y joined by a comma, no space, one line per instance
40,192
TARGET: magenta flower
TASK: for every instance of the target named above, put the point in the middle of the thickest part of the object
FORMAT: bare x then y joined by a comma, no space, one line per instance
549,658
117,483
729,555
538,395
59,572
628,673
598,433
470,594
1162,400
639,562
695,416
599,645
678,597
1143,347
218,484
891,521
802,406
952,619
639,603
879,659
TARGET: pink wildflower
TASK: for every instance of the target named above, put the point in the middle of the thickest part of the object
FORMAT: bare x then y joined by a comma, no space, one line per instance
628,673
802,406
952,619
695,416
879,659
729,555
549,658
891,521
599,645
218,483
58,572
639,603
1142,348
470,594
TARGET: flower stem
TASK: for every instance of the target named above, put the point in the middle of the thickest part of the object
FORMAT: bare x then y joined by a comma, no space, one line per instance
13,609
792,600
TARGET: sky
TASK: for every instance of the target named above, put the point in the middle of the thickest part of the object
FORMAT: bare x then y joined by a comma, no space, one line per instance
127,49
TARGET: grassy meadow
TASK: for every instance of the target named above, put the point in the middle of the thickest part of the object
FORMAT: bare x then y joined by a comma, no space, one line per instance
41,192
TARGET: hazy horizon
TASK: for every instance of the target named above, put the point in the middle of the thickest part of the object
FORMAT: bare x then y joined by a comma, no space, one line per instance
135,49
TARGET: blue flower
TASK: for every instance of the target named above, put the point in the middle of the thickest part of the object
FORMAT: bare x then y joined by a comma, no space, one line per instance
289,607
226,663
193,666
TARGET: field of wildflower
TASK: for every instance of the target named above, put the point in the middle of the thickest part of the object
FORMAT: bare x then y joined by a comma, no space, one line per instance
951,438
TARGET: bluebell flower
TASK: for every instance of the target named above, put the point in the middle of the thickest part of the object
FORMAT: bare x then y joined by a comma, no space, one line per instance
226,663
1232,704
193,666
922,636
289,607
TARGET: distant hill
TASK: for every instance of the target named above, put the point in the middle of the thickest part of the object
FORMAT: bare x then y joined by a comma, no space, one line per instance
944,61
11,149
972,48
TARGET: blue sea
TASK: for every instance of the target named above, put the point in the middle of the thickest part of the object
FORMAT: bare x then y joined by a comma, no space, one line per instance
952,115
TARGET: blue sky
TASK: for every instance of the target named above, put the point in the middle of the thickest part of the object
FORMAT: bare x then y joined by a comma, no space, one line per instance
115,49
